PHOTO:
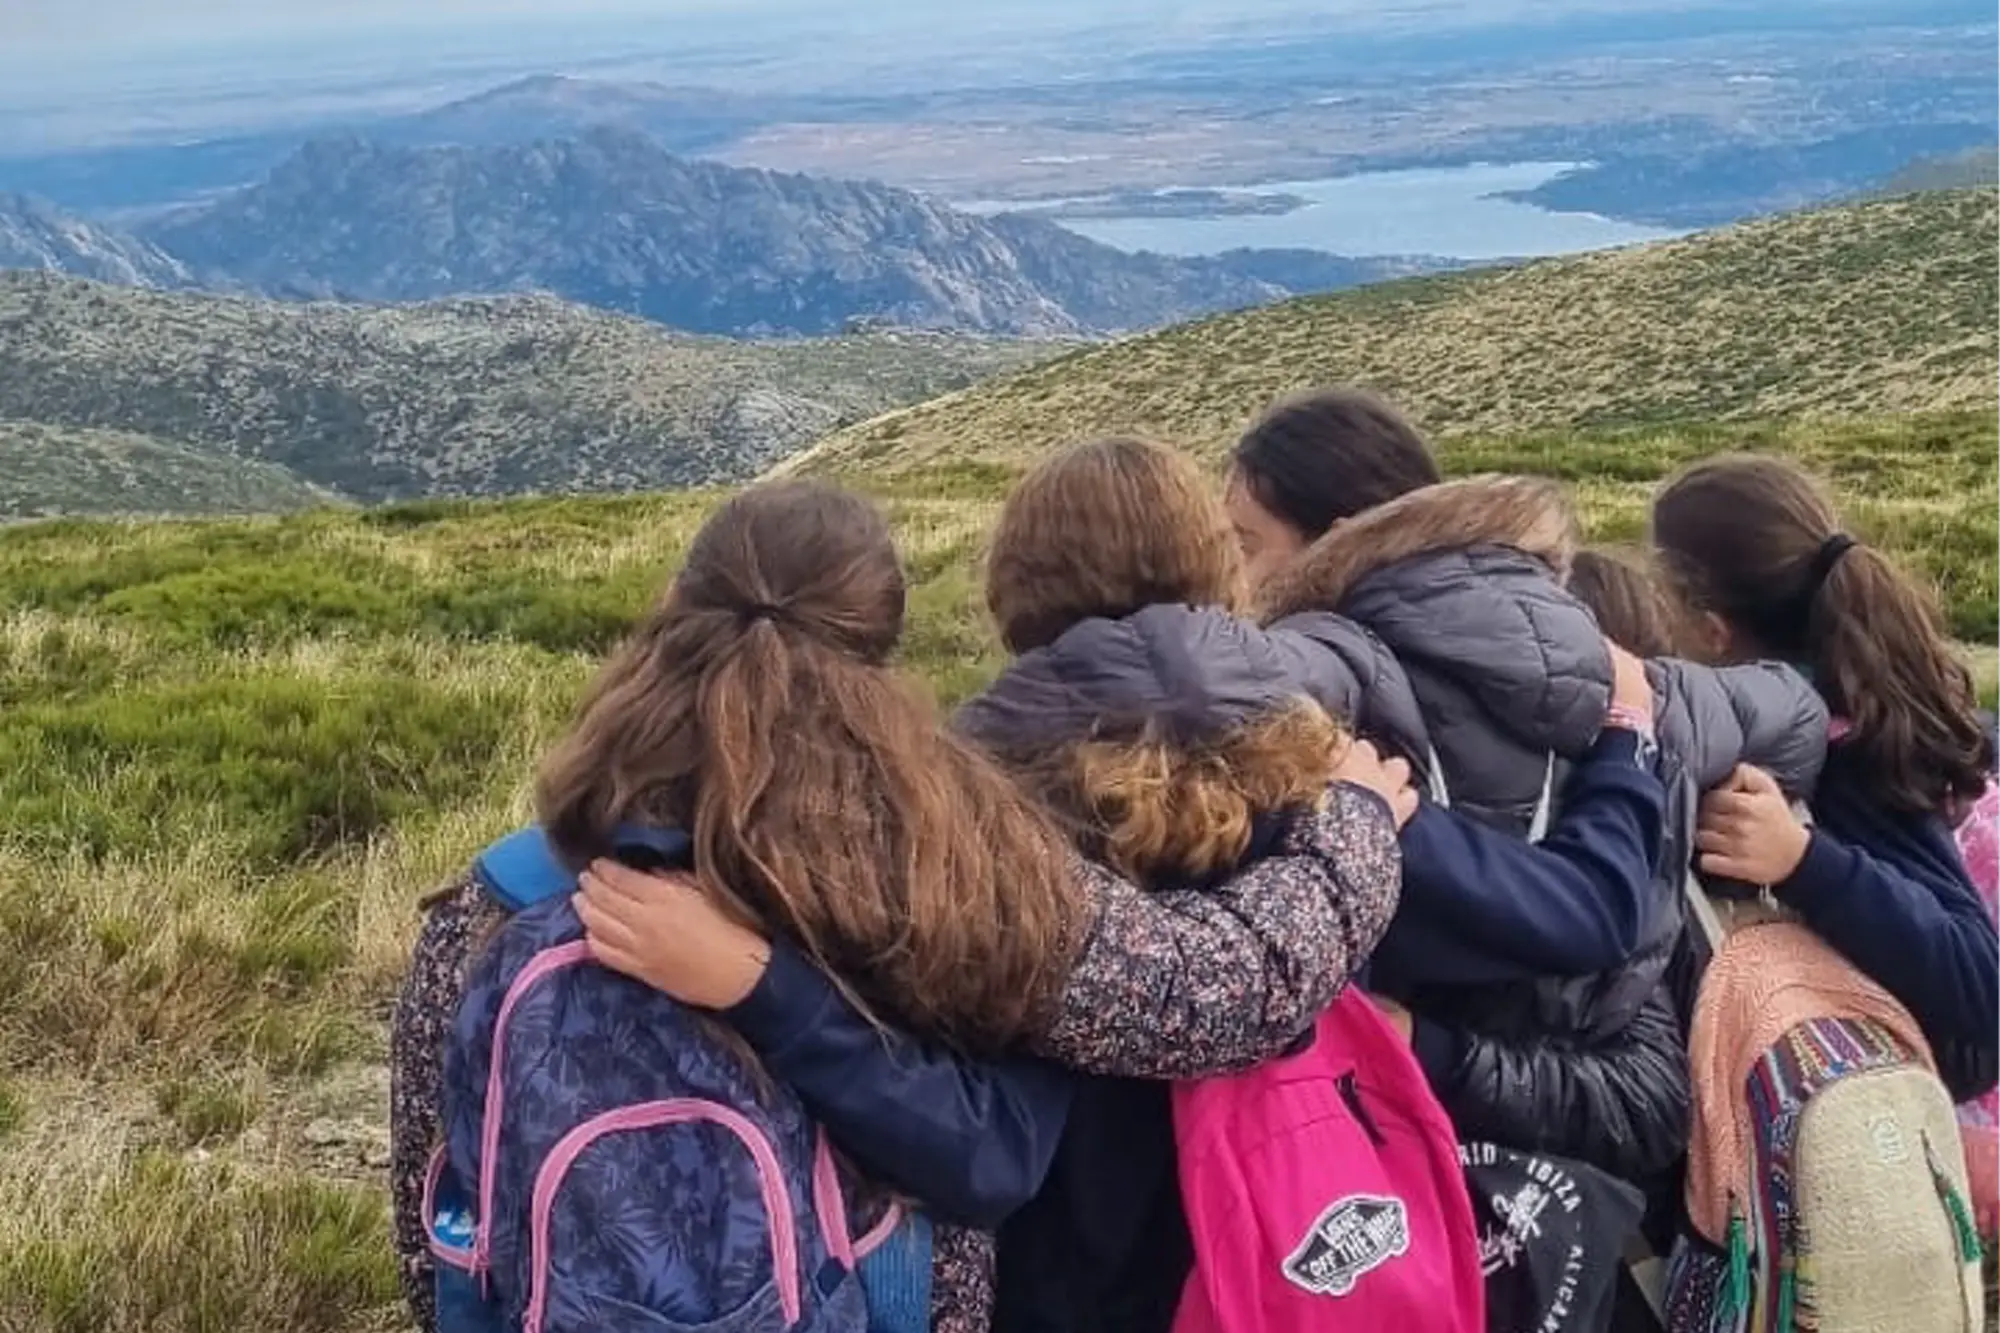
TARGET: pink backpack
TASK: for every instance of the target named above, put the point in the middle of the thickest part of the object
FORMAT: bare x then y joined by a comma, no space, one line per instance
1979,1119
1323,1192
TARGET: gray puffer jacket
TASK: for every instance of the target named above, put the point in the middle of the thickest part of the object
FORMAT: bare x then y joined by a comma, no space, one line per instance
1462,583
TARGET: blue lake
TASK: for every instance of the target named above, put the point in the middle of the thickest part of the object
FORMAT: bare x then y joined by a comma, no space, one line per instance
1435,211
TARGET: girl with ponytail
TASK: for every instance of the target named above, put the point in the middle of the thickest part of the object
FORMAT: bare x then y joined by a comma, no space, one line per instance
1757,556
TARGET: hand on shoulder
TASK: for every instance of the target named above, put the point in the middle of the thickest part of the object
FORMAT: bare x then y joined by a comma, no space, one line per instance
1632,702
662,930
1363,766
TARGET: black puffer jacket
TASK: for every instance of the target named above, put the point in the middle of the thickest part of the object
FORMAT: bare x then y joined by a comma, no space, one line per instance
1463,584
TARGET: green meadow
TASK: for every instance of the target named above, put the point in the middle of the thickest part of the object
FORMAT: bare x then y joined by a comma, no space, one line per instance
233,754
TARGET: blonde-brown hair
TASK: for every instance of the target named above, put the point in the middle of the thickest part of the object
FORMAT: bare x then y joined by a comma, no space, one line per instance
1103,529
756,708
1151,809
1757,542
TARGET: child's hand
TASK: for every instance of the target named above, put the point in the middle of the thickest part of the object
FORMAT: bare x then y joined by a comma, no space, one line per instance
1748,832
659,929
1387,778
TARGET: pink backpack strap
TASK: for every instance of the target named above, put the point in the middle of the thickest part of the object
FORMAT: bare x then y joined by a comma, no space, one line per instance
830,1202
543,964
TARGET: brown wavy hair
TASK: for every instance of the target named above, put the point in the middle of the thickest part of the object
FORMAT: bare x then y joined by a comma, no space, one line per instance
756,708
1629,606
1103,529
1747,539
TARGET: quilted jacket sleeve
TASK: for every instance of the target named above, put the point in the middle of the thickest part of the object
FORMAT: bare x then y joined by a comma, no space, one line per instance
1714,718
1353,675
1621,1104
1186,984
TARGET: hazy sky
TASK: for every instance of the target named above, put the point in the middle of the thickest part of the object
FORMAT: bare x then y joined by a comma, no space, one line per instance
72,70
76,26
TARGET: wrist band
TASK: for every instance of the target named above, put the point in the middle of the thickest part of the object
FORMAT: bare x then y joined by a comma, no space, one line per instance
1630,719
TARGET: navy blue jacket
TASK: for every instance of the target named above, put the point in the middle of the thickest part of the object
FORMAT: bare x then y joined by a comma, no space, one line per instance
1889,891
1476,909
972,1139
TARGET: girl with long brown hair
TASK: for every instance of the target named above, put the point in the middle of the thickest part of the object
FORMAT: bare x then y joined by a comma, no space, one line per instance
1757,556
844,840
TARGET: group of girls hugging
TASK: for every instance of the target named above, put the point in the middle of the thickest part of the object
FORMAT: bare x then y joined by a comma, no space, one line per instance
1257,744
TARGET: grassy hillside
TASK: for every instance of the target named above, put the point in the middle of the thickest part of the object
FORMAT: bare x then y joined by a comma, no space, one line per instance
233,754
48,470
496,396
1877,308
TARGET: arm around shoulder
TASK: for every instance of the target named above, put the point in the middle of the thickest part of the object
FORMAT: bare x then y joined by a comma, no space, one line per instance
1187,984
1910,918
971,1139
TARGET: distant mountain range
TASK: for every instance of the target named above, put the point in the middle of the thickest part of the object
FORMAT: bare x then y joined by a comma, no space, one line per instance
1724,183
612,219
121,399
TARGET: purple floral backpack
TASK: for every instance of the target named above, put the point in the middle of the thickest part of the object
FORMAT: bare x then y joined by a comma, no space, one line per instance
611,1163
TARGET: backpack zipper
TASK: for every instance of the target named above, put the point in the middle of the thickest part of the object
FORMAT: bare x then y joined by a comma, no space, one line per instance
778,1213
1350,1093
1965,1232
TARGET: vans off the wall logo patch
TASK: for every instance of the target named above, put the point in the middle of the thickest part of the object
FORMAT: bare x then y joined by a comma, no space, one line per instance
1350,1240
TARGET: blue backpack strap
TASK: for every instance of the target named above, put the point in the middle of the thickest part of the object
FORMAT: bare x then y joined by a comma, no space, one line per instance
523,868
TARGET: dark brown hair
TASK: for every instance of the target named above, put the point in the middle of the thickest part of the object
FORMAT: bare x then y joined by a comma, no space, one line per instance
1103,529
1628,606
755,708
1322,457
1757,542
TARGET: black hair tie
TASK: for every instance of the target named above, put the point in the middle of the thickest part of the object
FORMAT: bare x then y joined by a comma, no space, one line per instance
755,611
1829,555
